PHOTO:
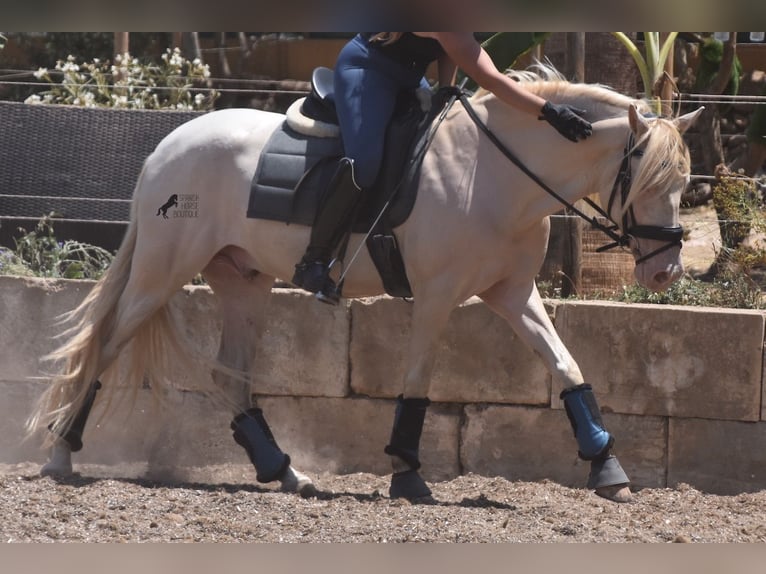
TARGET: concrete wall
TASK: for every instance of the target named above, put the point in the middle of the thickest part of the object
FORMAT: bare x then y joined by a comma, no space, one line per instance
681,389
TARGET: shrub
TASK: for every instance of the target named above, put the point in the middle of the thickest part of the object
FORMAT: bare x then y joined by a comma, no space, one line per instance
39,254
729,290
176,83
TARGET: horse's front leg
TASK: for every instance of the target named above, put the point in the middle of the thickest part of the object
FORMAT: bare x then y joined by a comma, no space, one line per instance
429,318
523,308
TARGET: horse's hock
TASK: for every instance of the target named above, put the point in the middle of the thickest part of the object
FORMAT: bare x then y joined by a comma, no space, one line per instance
682,399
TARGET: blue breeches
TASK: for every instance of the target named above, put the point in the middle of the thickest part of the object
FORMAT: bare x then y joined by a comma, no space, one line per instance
367,84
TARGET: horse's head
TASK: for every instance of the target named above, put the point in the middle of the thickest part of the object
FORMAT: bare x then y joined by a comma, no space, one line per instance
647,193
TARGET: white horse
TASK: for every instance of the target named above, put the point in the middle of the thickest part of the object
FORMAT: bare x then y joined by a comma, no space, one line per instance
479,226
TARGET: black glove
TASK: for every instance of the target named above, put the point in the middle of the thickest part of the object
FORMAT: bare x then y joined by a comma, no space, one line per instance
564,118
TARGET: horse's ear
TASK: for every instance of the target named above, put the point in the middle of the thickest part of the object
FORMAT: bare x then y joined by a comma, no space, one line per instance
638,123
686,121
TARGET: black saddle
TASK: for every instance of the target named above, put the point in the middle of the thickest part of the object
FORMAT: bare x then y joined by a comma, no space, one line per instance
320,105
294,170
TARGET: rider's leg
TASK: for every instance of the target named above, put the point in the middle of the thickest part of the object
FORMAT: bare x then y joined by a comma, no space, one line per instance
365,98
331,221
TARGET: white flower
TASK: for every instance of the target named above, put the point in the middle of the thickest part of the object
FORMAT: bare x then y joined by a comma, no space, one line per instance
40,73
33,99
119,101
198,99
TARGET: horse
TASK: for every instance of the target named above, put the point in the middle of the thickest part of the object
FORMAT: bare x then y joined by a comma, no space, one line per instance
479,227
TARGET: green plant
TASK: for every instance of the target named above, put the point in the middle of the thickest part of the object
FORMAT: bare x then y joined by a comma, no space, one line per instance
505,48
175,83
738,206
729,289
651,66
38,253
711,57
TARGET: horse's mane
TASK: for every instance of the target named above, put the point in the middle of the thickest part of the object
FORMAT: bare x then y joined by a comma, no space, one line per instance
665,154
601,101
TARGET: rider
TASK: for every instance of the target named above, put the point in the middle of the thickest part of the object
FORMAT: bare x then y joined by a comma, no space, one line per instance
371,70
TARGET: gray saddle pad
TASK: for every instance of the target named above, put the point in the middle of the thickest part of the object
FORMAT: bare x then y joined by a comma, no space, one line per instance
291,175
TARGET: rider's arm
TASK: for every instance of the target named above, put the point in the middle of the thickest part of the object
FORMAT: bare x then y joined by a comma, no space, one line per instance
467,54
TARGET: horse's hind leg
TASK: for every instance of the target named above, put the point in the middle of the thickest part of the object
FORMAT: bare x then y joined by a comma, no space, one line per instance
243,300
134,306
522,307
430,316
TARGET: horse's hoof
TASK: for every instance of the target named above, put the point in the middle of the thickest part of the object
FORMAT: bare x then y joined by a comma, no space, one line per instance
295,481
411,486
616,493
54,469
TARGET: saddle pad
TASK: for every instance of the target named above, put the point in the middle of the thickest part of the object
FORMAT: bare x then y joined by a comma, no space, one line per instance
294,170
290,158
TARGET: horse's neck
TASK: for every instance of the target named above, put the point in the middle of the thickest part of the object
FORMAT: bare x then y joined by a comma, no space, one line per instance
572,170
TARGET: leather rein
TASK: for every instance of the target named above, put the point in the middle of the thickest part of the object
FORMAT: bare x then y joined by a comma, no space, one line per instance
620,234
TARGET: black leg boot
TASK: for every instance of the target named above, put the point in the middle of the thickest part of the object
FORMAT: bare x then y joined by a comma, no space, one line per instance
330,224
73,433
405,445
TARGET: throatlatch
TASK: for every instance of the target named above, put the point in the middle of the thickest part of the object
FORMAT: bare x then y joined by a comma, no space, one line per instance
73,435
252,432
593,440
408,426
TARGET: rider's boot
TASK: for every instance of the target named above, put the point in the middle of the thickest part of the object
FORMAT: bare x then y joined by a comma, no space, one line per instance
333,216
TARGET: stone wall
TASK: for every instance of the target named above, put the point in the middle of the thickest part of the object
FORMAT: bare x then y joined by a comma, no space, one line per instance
681,389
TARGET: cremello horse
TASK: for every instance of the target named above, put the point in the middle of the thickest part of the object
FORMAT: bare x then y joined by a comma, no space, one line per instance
479,227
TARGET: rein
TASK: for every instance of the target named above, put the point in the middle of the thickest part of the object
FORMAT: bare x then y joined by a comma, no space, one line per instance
671,234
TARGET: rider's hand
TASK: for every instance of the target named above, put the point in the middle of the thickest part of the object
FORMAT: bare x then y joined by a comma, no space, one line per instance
566,120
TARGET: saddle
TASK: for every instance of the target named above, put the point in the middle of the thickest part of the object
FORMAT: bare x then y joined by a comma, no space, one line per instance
301,155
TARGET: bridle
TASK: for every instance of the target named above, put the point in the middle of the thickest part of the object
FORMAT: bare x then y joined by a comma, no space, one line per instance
621,234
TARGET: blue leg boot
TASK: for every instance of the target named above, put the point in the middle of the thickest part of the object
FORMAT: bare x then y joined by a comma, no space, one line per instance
593,441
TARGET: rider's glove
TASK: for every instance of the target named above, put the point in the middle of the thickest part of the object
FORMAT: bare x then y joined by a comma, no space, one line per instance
566,120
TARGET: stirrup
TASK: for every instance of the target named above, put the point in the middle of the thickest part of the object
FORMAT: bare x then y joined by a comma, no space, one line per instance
329,294
310,276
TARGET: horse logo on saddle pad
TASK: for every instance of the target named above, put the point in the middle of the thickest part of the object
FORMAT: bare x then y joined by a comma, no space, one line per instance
302,154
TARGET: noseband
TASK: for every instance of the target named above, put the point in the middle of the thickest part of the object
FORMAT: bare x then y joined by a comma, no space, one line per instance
672,235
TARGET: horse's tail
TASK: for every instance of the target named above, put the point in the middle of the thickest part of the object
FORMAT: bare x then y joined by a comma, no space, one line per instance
80,359
158,350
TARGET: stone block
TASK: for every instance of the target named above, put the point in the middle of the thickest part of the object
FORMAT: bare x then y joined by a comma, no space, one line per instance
529,444
719,457
667,361
479,357
344,436
303,350
16,405
29,312
181,429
